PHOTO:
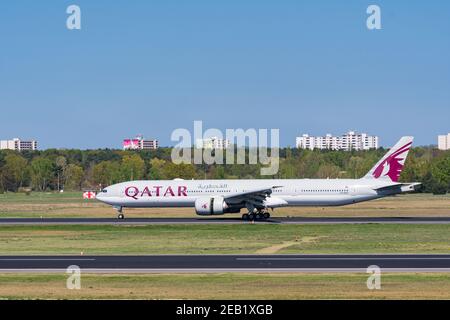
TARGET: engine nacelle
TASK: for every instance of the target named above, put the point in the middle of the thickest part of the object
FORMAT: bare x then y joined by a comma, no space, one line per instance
207,206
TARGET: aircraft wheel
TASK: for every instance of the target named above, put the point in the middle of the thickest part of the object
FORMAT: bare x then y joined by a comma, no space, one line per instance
245,216
121,216
259,216
251,216
266,215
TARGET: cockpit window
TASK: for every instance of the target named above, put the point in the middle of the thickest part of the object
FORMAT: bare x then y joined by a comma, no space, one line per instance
104,191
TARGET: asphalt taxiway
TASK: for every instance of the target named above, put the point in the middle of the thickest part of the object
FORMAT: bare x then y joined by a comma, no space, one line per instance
226,263
224,220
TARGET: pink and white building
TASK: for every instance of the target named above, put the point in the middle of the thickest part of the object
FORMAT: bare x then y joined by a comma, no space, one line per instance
139,143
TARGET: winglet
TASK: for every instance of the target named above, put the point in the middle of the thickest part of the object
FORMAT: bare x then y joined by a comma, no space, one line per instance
391,165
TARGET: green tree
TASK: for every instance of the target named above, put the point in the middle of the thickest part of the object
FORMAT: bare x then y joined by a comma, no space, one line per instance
328,171
440,171
182,171
287,168
132,167
425,164
14,171
73,177
106,173
219,172
61,166
356,167
41,173
2,183
156,169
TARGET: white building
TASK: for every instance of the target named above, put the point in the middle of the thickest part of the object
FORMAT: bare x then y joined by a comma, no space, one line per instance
349,141
139,143
212,143
444,142
18,145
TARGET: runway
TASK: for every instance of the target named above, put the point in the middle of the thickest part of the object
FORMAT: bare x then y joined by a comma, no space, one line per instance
226,263
224,220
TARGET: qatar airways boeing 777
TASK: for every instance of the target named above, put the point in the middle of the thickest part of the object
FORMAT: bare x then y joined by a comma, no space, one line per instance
217,197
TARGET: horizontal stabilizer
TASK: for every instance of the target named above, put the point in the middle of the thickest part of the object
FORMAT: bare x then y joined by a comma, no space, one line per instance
405,187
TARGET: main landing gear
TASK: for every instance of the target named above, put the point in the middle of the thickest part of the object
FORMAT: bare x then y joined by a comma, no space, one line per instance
258,215
120,215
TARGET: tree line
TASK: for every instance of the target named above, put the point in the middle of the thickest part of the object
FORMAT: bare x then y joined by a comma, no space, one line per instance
56,169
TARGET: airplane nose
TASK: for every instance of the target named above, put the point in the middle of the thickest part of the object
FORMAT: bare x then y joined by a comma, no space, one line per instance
101,196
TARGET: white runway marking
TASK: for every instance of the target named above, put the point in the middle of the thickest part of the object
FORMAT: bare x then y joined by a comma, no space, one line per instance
221,270
339,258
43,259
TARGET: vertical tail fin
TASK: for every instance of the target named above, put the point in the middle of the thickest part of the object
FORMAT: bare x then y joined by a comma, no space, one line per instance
391,165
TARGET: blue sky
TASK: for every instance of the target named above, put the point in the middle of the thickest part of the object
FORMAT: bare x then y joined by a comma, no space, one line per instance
153,66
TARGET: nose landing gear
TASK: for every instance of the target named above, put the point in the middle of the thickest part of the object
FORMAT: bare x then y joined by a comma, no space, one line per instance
120,215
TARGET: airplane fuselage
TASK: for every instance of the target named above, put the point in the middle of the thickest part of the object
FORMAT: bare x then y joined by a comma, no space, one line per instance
288,192
215,197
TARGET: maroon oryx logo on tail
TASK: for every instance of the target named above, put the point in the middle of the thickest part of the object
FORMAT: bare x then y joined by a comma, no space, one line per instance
392,166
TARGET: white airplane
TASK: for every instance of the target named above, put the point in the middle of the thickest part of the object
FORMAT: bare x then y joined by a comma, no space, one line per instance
217,197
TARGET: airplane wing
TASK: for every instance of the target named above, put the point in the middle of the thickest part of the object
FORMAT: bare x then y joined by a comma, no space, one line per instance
255,197
403,186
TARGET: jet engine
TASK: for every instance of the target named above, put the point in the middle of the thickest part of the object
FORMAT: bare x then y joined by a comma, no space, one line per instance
207,206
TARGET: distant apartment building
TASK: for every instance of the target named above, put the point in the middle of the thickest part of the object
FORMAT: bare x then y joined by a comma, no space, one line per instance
139,143
212,143
444,142
349,141
18,145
